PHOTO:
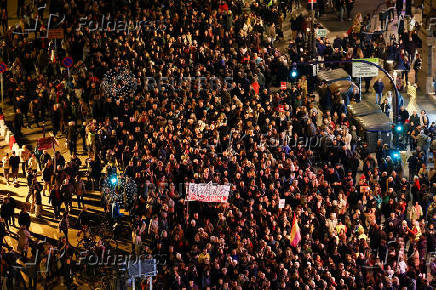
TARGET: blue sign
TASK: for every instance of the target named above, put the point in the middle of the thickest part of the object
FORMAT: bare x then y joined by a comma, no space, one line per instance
67,62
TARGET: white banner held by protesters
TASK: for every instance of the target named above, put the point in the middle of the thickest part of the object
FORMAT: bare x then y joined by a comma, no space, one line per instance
207,192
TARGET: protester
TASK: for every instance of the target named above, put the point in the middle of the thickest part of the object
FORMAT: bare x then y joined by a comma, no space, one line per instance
80,192
7,212
37,188
24,218
14,162
385,107
3,231
25,155
56,201
23,241
10,210
131,97
33,164
48,176
64,224
378,87
417,66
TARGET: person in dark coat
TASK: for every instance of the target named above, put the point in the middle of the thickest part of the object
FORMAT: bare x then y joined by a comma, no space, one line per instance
349,5
378,88
60,160
413,165
67,191
36,107
12,205
43,159
38,198
18,122
72,138
14,163
3,231
417,66
64,225
5,212
403,114
24,218
82,133
56,200
410,46
95,166
385,107
399,7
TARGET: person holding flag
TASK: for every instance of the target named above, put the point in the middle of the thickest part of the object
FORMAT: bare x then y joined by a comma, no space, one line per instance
295,235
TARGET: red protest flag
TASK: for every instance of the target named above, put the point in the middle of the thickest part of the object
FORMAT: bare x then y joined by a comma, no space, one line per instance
11,142
45,143
256,87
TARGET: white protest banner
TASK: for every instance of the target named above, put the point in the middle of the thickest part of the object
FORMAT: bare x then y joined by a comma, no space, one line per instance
282,203
207,192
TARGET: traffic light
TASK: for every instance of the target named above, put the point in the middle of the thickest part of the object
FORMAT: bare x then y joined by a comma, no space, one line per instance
398,136
114,180
399,128
294,72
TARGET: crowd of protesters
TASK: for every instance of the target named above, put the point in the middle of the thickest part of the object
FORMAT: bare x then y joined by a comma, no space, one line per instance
370,229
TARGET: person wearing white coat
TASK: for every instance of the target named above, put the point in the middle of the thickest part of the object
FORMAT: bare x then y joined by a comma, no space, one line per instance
423,119
33,164
347,138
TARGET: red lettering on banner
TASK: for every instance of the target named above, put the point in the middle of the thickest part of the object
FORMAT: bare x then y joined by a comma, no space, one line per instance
207,192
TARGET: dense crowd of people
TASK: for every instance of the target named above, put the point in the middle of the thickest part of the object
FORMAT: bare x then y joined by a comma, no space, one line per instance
197,106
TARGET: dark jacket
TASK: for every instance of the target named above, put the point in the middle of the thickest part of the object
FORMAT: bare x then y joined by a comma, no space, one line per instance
2,231
24,219
378,87
14,161
404,115
55,197
7,210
